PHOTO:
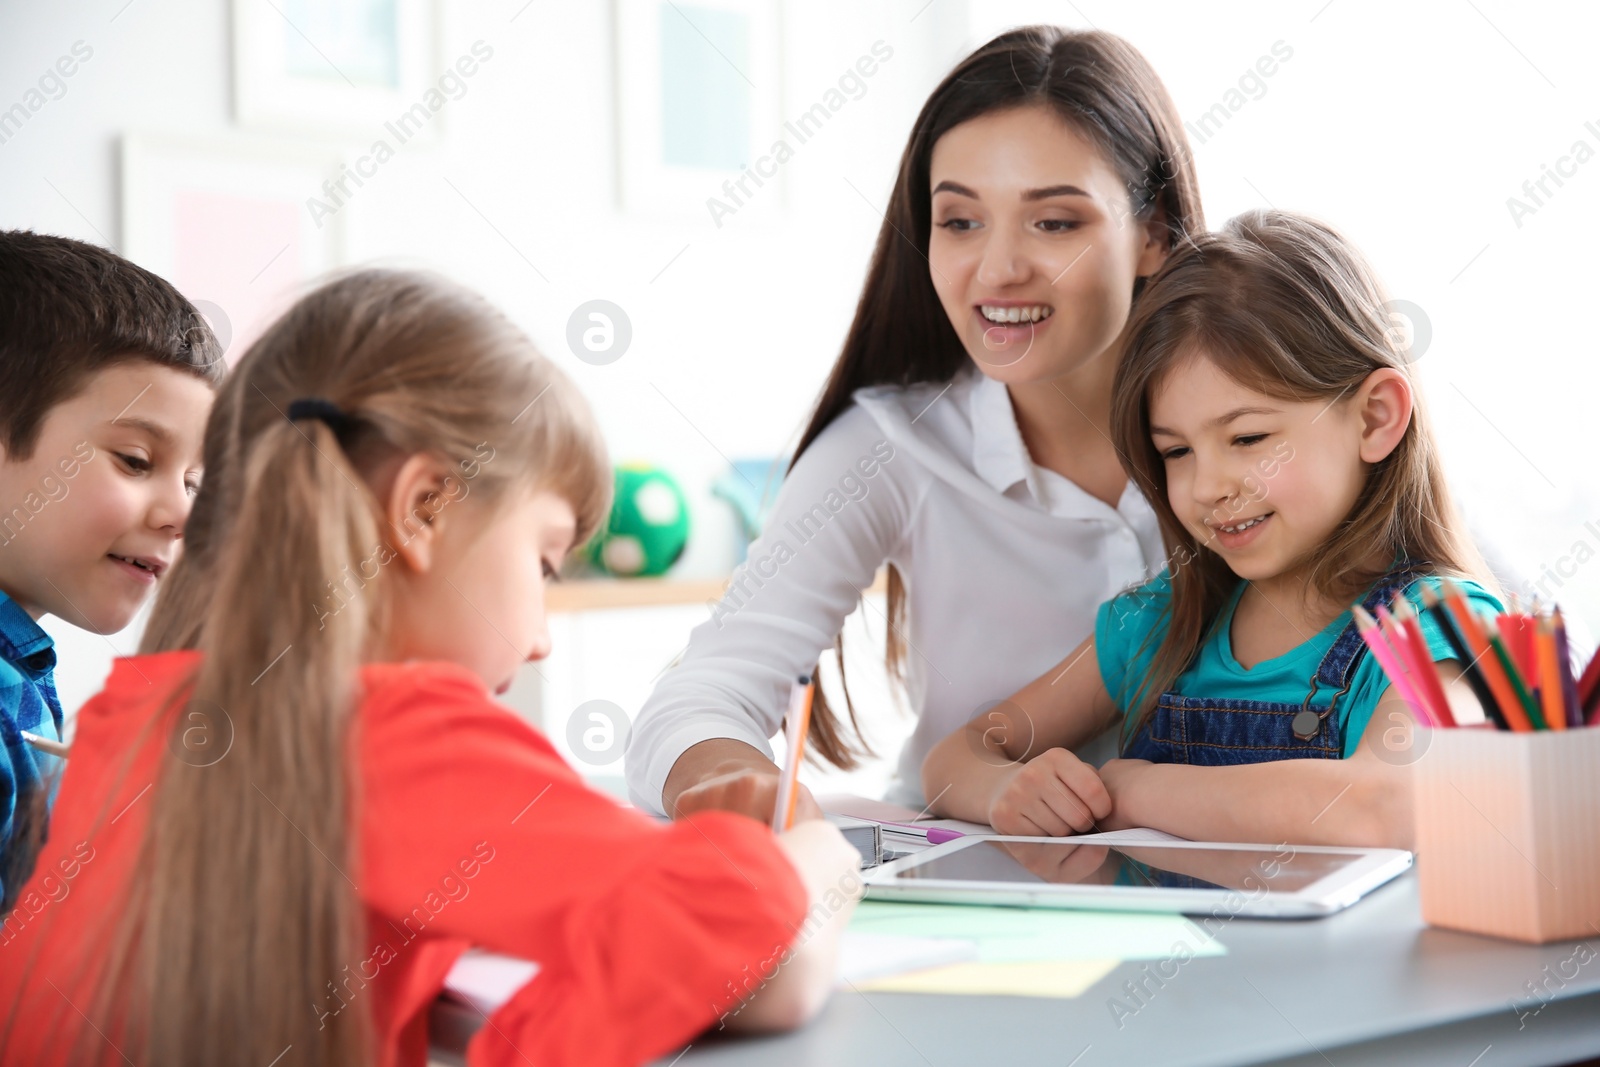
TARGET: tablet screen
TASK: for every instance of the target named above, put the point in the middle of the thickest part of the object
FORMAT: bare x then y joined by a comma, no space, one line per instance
1280,870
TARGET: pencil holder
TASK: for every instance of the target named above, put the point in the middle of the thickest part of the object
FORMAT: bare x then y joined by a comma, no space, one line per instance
1508,832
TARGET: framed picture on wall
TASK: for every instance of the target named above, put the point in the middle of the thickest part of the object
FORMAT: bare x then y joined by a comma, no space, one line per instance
699,107
230,223
340,67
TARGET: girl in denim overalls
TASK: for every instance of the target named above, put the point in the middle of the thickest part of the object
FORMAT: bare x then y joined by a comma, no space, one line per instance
1265,407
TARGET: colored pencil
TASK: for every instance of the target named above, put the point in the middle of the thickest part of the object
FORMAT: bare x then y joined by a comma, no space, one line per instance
44,744
1390,661
1569,682
1589,683
1518,662
1550,696
1422,656
1406,654
797,722
1483,654
1516,630
1521,688
1434,605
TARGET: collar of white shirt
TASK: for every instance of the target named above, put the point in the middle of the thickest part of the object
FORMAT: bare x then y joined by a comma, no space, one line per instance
1001,459
998,453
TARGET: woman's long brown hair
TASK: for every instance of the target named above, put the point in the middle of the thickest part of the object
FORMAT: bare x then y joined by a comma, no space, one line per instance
1102,86
243,906
1283,305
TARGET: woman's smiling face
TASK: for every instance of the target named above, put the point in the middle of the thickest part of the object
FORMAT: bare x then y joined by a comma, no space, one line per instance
1034,252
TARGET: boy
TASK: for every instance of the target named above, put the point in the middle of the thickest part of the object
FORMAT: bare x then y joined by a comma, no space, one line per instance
106,379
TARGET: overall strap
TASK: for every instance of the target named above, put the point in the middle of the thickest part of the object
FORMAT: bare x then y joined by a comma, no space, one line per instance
1337,669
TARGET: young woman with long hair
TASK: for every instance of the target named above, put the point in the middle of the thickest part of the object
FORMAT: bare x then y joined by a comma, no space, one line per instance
963,437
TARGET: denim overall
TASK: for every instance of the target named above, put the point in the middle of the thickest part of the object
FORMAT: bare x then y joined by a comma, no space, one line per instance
1220,731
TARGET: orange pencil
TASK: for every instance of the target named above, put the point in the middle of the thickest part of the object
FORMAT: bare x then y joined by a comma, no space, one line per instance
1550,689
797,722
1422,660
805,725
1478,643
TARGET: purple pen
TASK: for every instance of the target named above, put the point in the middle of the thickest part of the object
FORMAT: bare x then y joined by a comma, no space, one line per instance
938,835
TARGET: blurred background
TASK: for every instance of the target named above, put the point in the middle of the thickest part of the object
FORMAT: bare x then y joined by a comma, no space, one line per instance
580,163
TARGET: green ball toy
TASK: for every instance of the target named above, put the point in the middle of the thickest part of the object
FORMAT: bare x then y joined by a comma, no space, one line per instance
649,524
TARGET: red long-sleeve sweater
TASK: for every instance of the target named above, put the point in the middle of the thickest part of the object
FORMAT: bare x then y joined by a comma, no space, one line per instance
471,831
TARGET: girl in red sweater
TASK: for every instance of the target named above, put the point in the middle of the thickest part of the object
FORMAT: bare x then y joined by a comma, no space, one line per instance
282,824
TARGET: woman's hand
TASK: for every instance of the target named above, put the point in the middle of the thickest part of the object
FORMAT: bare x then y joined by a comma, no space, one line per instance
1052,795
727,775
751,791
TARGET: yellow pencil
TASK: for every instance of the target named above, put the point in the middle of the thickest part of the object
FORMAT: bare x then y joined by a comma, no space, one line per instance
796,724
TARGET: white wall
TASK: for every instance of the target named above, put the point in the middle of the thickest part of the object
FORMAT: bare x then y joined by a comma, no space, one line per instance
1407,125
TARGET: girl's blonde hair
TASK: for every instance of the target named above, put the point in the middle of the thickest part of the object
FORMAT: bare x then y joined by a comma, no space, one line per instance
243,908
1283,305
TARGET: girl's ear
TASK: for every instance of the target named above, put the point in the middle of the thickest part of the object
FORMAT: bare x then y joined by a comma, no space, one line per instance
1384,403
414,509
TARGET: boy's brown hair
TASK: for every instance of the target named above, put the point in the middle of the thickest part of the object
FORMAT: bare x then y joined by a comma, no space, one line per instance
69,309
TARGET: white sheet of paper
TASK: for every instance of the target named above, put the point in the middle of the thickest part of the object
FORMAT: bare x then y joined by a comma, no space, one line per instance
487,980
865,957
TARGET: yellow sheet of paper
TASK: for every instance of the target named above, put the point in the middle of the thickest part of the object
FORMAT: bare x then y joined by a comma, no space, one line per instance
1033,978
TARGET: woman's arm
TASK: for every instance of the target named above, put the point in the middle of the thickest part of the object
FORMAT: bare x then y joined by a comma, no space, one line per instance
701,739
1363,801
1010,767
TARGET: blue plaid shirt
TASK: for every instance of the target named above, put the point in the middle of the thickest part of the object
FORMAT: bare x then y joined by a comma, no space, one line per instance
27,702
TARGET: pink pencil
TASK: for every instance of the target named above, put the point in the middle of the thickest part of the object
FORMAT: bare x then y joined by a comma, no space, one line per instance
1412,648
1391,666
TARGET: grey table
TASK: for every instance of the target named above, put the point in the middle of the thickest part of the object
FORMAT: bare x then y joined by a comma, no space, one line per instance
1372,985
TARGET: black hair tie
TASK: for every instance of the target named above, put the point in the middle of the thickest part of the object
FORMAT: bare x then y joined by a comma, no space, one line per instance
316,407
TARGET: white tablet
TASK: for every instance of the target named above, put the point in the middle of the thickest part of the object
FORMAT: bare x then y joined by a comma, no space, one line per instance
1194,877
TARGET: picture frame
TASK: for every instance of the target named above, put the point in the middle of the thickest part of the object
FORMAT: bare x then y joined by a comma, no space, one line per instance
699,102
229,222
338,67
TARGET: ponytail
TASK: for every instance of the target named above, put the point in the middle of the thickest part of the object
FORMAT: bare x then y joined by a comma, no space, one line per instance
251,832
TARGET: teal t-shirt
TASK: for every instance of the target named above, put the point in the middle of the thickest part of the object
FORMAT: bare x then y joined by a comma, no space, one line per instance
1124,622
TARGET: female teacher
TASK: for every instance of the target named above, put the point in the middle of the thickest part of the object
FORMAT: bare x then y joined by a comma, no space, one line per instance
962,436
